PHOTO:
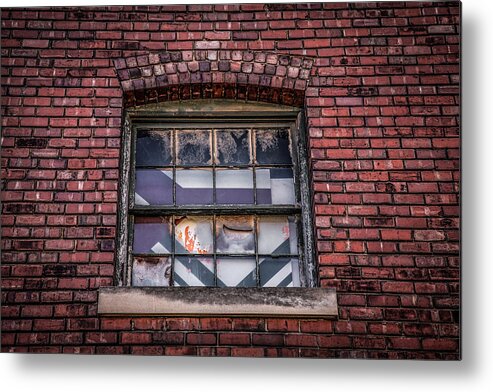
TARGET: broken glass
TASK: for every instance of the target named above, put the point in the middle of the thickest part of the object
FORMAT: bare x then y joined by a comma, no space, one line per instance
235,234
193,271
153,148
193,147
277,235
194,186
275,186
234,186
152,235
153,187
236,272
193,234
151,271
272,146
233,147
279,272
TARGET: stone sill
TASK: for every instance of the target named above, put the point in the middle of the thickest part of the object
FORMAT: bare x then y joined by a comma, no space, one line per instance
231,301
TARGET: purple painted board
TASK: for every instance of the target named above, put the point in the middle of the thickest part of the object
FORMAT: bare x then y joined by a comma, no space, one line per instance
153,187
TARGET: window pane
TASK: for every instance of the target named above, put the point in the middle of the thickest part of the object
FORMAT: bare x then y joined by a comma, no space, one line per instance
236,272
193,234
193,147
279,272
152,235
233,147
193,271
234,186
272,146
153,148
151,271
235,235
277,235
275,186
193,186
153,187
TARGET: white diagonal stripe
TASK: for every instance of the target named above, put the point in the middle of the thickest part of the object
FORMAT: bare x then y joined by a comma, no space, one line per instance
186,275
283,273
233,271
139,200
159,248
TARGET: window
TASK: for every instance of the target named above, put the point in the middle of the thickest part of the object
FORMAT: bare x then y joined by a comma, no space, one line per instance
215,198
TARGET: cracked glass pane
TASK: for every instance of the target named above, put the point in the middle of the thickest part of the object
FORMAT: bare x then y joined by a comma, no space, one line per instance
153,148
277,235
272,146
193,186
153,187
234,186
193,271
236,272
279,272
151,271
235,234
193,147
193,234
275,186
233,147
152,235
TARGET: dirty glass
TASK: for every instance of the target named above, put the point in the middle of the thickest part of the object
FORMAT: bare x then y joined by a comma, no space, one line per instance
234,186
277,235
233,147
275,186
193,147
152,235
193,234
236,272
279,272
194,186
153,187
153,148
235,234
272,146
151,271
193,271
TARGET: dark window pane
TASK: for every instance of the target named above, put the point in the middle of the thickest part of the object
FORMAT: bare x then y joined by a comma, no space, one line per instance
152,235
277,235
275,186
234,186
279,272
153,187
272,146
193,187
193,271
233,147
236,272
151,271
153,148
193,147
235,234
193,234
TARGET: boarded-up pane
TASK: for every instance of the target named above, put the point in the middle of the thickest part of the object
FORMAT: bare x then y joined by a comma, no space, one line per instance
152,235
279,272
193,147
151,271
233,147
193,234
277,235
234,186
193,271
153,187
235,235
275,186
272,146
153,148
236,272
193,186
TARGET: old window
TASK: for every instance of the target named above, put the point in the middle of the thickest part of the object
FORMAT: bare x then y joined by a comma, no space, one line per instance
216,197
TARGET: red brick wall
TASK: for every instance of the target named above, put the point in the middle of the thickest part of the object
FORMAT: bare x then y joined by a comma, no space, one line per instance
383,112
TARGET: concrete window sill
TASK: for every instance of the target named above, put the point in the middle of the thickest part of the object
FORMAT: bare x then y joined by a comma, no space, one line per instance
231,302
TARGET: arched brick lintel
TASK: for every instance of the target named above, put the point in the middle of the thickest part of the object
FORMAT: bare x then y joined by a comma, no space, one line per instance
230,74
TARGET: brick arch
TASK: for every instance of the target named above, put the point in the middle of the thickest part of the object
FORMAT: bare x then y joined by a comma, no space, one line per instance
230,74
